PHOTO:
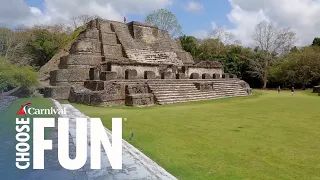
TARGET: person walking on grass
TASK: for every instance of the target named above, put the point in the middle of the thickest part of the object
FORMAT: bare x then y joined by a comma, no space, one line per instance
292,91
279,89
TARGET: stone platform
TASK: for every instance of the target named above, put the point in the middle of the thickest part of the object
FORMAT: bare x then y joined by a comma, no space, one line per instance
136,64
142,92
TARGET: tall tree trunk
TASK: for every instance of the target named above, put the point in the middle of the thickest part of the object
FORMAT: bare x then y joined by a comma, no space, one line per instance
265,73
264,82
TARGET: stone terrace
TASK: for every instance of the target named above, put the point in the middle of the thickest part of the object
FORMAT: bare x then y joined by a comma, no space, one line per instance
136,64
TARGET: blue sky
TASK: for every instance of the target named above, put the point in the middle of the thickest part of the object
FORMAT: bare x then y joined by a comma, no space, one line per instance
238,16
212,11
216,11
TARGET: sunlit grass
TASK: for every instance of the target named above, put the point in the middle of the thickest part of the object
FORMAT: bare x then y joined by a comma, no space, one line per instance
265,136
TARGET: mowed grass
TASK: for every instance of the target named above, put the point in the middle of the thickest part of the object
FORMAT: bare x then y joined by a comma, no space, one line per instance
264,136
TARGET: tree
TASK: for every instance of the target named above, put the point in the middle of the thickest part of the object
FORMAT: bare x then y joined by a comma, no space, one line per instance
78,21
211,49
190,44
13,76
298,67
12,45
44,44
224,36
165,20
270,42
316,42
237,59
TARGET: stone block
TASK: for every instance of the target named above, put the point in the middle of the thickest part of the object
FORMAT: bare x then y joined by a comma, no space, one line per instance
89,34
88,46
109,38
149,75
78,60
131,74
180,76
86,99
69,75
113,51
206,76
137,89
316,89
194,76
94,85
225,76
186,57
105,27
204,86
108,75
92,24
166,75
216,76
66,83
139,100
57,92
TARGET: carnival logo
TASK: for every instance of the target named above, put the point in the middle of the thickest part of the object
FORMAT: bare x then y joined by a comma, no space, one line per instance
24,109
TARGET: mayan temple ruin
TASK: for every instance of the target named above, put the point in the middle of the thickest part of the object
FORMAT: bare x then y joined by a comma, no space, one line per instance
136,64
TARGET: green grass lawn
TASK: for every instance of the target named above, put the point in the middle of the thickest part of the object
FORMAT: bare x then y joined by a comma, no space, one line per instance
265,136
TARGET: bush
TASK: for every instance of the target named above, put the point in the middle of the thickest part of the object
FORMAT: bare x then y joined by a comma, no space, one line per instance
13,76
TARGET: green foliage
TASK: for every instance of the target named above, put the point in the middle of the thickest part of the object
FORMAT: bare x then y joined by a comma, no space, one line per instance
165,20
211,49
13,76
237,60
189,44
73,36
316,41
298,68
43,45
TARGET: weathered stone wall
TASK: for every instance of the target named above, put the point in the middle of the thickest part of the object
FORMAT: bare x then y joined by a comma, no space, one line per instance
120,70
86,46
113,95
185,57
145,33
201,71
204,86
57,92
79,61
68,76
147,44
156,57
139,95
85,53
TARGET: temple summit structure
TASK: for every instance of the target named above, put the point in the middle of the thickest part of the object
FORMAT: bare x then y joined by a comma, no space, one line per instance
136,64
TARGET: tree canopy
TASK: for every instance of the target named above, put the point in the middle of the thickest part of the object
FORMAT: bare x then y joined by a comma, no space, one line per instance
165,20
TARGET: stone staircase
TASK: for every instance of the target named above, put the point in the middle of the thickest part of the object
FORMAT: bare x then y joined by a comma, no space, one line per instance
170,92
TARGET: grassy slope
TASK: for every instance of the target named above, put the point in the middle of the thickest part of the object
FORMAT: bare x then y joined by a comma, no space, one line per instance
8,117
268,136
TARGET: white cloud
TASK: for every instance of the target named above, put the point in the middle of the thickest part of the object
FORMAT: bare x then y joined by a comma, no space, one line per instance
193,6
202,33
301,15
16,12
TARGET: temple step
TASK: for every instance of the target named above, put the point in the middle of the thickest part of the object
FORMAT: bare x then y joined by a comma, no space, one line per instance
170,92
